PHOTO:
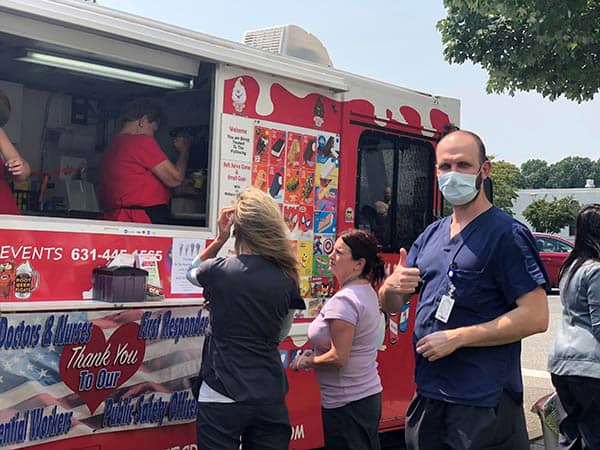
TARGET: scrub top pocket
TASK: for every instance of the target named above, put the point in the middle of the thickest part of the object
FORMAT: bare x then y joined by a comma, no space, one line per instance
466,283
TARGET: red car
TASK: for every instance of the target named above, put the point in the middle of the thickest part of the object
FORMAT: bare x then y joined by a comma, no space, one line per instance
553,251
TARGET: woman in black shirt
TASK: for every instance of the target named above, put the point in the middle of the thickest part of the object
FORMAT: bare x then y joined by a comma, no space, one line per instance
252,297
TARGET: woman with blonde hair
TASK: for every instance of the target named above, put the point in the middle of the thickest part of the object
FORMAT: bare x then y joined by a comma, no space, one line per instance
252,296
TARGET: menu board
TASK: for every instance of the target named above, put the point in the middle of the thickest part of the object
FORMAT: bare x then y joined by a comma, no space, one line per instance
299,168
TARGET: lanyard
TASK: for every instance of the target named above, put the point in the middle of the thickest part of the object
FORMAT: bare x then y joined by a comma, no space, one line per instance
453,267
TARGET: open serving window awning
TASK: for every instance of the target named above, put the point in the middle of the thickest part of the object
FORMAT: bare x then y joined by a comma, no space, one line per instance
55,38
123,38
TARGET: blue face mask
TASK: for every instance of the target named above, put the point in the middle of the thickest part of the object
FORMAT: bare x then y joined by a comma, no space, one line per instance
458,188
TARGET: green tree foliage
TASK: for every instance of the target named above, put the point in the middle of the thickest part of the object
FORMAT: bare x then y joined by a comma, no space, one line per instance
551,46
596,173
535,173
570,172
551,216
506,178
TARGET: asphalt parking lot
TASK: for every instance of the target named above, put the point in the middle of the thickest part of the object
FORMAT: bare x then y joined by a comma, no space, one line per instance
536,380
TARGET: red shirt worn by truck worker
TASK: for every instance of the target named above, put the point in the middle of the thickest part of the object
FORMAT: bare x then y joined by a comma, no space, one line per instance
8,204
127,180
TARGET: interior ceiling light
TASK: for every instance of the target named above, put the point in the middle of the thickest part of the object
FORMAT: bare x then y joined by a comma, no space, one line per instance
103,71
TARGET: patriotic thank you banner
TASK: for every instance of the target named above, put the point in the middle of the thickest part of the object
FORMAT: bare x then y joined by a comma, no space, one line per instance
68,374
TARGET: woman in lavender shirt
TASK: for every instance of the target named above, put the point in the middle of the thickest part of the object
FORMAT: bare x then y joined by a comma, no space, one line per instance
345,336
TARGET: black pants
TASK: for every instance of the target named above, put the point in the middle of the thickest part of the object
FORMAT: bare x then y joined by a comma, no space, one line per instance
353,426
157,214
438,425
580,398
222,426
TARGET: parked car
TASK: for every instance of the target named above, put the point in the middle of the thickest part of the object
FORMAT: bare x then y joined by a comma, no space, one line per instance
553,251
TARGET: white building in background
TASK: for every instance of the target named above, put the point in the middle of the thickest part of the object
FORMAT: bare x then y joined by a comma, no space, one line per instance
585,195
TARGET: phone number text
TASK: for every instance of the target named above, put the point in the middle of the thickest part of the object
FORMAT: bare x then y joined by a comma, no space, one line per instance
92,254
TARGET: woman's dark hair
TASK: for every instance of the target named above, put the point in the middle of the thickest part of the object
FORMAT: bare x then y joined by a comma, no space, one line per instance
587,241
363,244
141,107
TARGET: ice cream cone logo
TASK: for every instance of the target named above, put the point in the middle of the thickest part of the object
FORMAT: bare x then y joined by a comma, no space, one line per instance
238,95
319,112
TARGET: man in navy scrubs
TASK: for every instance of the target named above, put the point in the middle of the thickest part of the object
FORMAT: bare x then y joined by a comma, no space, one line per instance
481,290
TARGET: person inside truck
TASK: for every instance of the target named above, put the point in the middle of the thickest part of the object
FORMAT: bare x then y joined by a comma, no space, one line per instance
387,195
195,182
251,296
198,159
346,335
136,177
17,167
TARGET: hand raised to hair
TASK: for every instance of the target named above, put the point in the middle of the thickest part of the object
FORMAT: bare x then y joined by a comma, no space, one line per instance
225,223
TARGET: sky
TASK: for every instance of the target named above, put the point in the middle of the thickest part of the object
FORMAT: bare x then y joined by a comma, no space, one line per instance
397,41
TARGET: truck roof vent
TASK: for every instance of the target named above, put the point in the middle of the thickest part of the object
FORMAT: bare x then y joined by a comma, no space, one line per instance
290,40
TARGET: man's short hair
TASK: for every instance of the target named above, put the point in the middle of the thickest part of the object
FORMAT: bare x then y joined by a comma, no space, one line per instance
141,107
451,128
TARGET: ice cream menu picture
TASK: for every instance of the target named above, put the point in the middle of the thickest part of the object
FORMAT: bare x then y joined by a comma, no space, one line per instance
298,167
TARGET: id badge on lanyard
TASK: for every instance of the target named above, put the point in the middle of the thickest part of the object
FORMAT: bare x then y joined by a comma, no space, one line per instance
447,301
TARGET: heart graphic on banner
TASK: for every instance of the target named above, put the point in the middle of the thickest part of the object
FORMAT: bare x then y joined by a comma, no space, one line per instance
109,363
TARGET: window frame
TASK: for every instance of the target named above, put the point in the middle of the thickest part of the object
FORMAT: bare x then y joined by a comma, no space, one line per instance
61,222
398,139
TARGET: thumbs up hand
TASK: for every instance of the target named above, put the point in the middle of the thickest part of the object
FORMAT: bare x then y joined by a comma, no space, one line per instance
403,280
403,256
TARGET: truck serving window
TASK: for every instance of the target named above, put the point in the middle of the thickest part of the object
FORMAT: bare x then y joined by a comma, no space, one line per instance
67,107
395,188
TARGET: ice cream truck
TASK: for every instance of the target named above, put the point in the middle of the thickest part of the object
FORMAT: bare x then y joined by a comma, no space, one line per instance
86,366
